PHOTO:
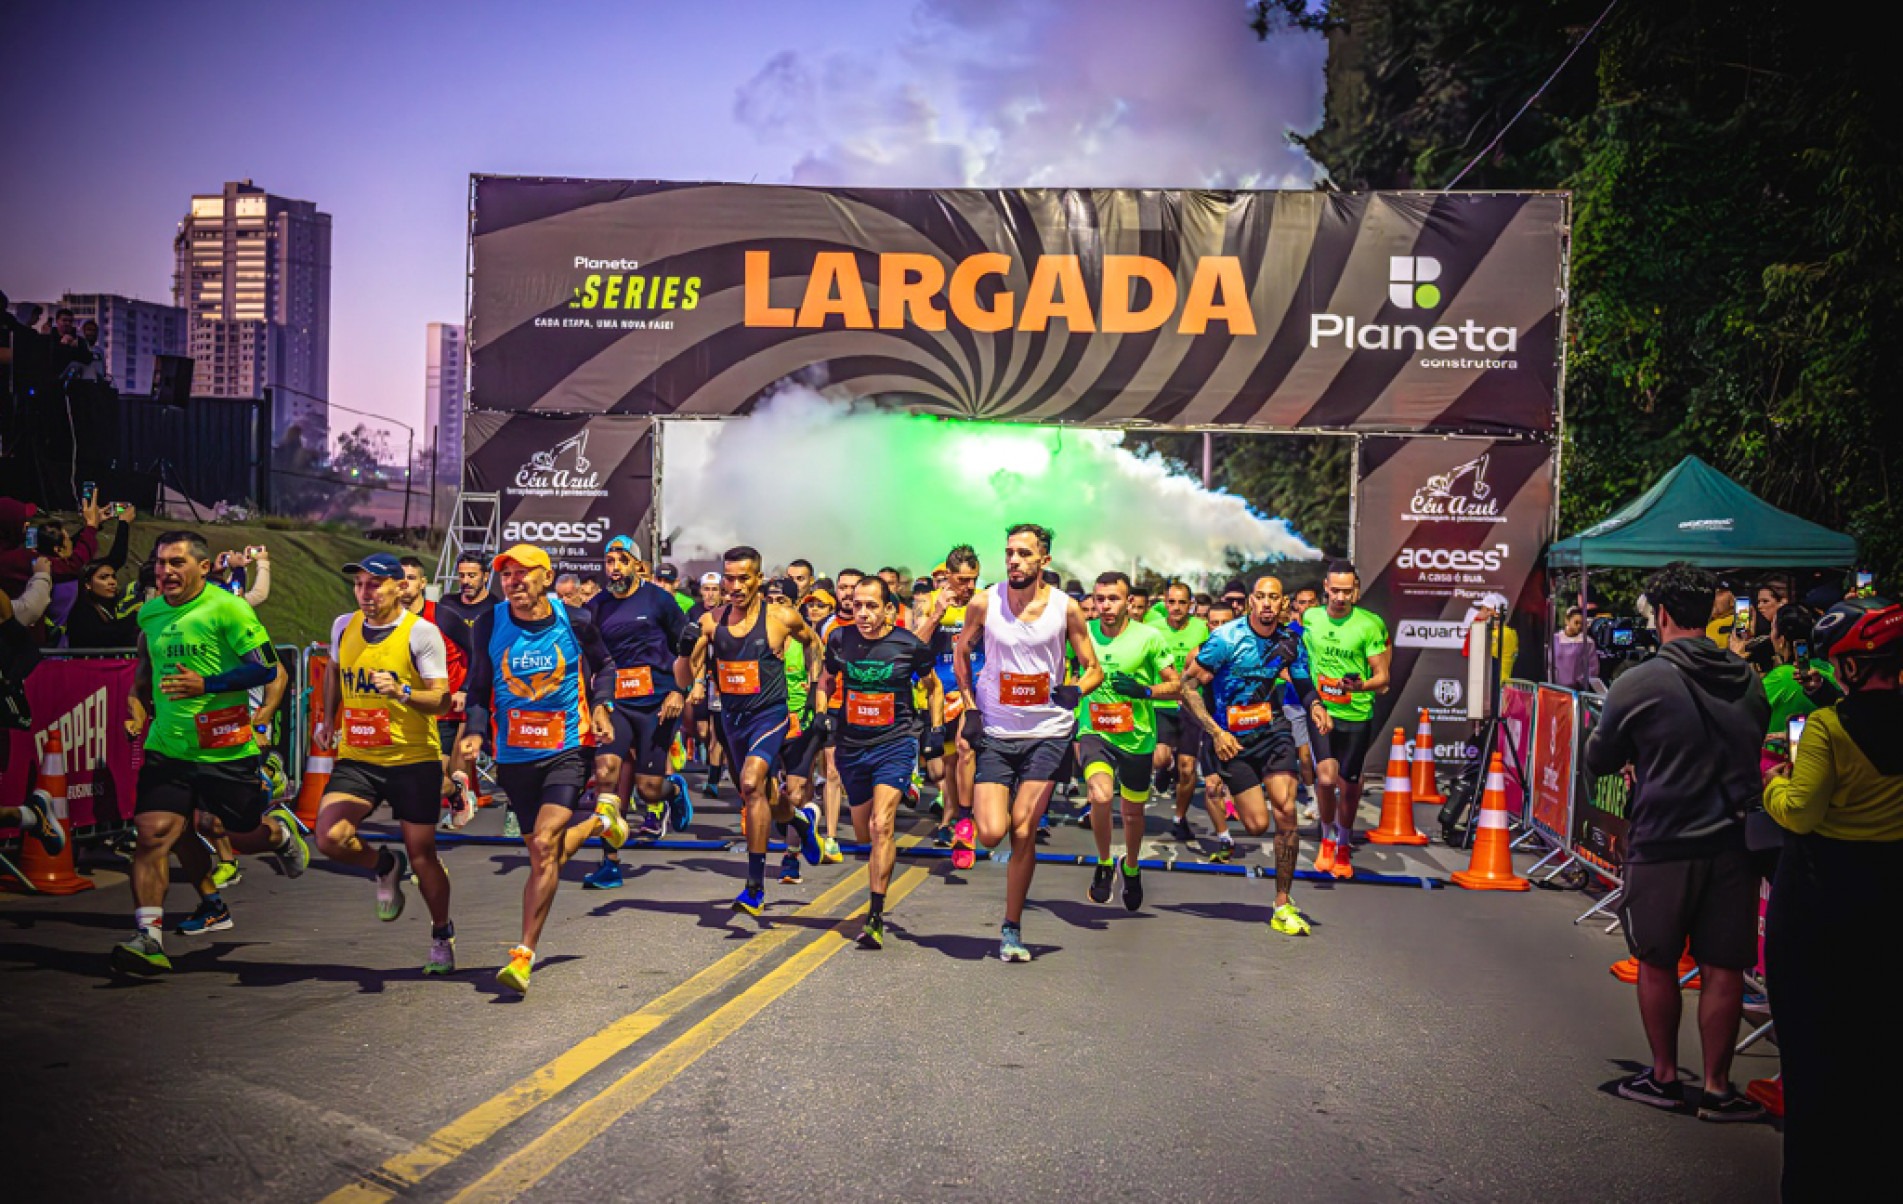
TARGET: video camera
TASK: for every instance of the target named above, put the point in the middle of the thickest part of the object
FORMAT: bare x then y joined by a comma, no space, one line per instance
1623,638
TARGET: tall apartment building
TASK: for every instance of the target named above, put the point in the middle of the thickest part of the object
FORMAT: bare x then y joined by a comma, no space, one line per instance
253,276
443,388
131,332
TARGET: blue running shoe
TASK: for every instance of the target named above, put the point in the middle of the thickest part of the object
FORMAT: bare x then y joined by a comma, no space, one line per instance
210,917
751,900
790,870
50,830
607,877
805,821
680,807
1011,945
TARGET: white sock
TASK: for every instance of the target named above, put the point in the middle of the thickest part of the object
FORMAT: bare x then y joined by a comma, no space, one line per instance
149,919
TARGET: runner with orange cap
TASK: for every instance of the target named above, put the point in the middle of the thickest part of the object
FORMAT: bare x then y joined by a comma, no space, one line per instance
535,670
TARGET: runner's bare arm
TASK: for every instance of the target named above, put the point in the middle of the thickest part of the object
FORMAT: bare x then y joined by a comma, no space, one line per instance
1377,682
1171,686
928,620
1190,690
273,699
140,704
934,699
961,651
1092,672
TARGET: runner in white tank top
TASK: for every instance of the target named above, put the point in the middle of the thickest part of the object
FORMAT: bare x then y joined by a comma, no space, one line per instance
1020,716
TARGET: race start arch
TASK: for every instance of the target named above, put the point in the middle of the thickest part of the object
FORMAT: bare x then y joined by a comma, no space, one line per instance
1427,326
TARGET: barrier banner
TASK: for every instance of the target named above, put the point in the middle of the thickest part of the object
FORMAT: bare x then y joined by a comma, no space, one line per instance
1439,525
1310,309
1599,822
1516,731
87,700
1551,770
567,485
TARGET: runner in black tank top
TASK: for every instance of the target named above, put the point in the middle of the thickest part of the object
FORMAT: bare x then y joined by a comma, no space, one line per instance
749,671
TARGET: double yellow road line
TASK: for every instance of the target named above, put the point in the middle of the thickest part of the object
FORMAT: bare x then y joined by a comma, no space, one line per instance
525,1168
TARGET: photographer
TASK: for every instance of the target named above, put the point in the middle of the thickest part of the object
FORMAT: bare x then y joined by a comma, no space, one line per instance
1835,905
1687,725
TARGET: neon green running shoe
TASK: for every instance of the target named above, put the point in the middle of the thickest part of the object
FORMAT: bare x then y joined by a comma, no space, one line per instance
829,853
1289,921
515,975
226,873
142,955
614,825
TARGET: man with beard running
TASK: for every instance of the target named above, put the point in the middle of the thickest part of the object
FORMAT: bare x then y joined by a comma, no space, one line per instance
1178,743
1348,650
744,642
641,626
940,626
1241,665
873,667
1019,715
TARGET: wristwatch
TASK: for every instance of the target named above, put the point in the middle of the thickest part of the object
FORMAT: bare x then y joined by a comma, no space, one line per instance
406,693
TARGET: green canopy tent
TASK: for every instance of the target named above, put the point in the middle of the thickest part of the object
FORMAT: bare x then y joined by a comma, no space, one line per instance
1698,514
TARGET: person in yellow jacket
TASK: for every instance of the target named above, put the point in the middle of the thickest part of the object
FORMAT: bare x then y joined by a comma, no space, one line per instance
1835,905
379,712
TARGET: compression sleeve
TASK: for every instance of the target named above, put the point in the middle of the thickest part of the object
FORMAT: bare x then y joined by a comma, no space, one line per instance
249,676
481,682
597,664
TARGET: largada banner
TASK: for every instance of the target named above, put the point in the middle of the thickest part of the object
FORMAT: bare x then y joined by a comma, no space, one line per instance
1379,311
1441,526
565,484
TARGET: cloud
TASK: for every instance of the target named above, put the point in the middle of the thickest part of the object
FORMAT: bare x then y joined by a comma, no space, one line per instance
1077,93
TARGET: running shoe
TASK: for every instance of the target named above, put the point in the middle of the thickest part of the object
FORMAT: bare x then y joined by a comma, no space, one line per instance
515,975
1344,867
210,917
1132,888
1729,1107
442,956
911,795
938,807
275,777
293,852
872,936
463,802
1182,831
964,844
511,826
942,837
226,873
1644,1089
680,804
606,876
1289,921
1044,828
1302,795
653,824
1100,882
790,870
142,955
806,823
52,832
829,852
1308,813
1325,859
752,900
614,825
1223,853
390,886
1011,945
709,790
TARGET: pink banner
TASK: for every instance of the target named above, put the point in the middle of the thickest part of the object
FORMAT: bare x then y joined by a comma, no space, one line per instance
86,701
1516,725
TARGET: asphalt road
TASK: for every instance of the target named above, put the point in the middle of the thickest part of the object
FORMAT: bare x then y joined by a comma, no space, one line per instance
1423,1043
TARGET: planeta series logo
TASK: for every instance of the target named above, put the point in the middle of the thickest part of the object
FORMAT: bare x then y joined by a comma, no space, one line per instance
561,471
1411,281
1459,495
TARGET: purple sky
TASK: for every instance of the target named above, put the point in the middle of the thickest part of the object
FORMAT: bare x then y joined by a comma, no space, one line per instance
120,110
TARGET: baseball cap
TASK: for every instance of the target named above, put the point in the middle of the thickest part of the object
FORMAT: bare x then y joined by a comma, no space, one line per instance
710,578
527,555
667,572
377,564
783,585
623,543
822,595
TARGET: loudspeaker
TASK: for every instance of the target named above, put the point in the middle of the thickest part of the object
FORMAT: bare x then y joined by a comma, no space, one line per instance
171,379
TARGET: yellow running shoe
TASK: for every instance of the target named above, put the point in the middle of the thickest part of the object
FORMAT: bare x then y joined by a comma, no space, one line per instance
614,826
515,975
1289,921
829,853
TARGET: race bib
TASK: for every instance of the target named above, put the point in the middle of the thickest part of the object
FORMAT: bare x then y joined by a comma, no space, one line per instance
1024,690
870,710
1332,689
226,727
739,677
1249,718
367,727
537,729
1116,717
637,682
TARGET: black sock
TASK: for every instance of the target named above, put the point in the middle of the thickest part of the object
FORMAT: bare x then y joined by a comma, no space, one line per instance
444,933
878,903
713,776
756,869
212,900
386,861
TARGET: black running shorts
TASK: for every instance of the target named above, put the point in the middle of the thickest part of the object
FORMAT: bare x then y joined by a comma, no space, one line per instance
1132,771
1346,743
556,781
1012,763
1270,754
232,791
642,738
414,792
1710,901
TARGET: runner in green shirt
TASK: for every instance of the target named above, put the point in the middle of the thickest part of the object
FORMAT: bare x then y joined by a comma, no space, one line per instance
1178,743
1116,727
1348,653
204,648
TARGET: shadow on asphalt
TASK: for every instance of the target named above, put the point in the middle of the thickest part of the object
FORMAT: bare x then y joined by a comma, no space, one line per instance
960,946
1091,917
81,919
1241,913
209,960
719,915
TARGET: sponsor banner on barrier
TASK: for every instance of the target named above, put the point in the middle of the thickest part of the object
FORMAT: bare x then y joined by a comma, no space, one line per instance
1516,730
1440,526
87,701
1599,822
567,485
1551,769
1388,311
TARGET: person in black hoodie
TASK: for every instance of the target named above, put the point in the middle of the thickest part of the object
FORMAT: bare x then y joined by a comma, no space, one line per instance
1687,725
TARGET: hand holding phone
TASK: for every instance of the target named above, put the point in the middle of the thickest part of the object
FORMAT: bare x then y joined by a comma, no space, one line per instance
1794,732
1800,652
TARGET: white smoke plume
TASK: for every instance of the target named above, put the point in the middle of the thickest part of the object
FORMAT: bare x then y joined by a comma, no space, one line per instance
854,484
1051,93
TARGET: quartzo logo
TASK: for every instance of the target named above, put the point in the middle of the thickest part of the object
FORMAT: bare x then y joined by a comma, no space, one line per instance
1411,286
561,471
1460,495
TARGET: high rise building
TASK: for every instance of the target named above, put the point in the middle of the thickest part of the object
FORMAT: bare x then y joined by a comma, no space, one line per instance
443,382
253,276
131,332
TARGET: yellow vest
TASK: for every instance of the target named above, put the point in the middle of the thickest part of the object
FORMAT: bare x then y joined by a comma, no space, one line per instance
374,729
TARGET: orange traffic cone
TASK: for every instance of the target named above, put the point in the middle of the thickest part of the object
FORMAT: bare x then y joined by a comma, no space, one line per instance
1491,867
316,780
50,873
1426,781
1627,971
1769,1093
1397,799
